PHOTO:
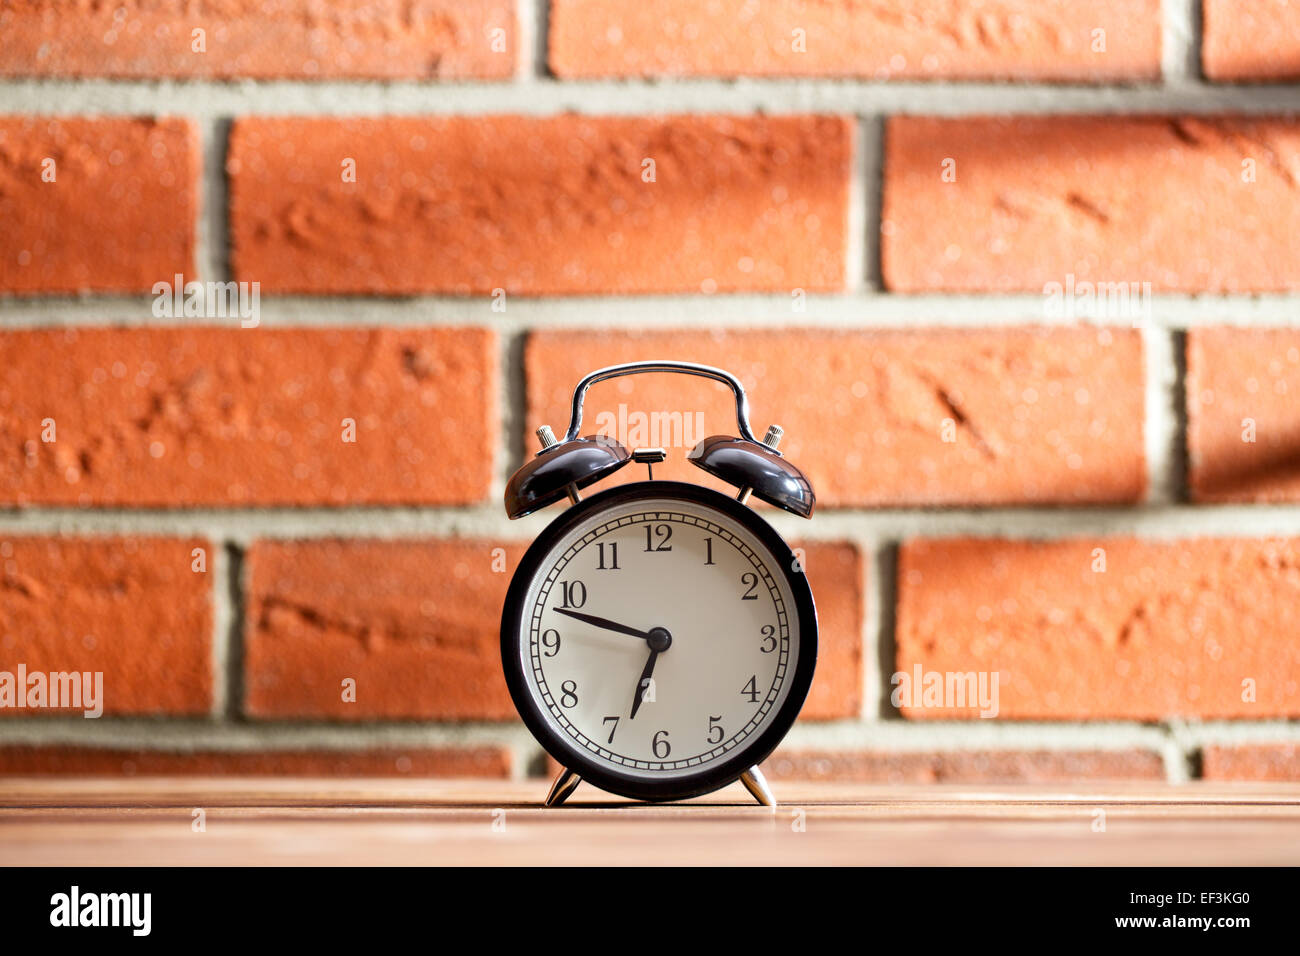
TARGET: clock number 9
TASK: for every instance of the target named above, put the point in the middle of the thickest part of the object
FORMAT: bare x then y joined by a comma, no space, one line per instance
661,741
551,642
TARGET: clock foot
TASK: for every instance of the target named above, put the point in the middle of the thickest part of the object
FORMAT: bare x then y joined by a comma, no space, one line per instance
566,781
756,784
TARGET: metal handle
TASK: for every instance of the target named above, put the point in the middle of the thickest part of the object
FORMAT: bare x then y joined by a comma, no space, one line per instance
685,368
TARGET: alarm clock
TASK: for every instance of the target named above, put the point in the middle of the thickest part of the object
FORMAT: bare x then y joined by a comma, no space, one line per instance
659,637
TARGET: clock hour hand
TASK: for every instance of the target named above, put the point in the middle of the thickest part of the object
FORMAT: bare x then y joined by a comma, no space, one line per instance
639,694
602,622
659,640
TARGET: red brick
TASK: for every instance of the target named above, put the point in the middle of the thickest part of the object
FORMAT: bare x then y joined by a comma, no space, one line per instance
119,214
1106,199
1250,41
1275,761
959,766
416,624
132,608
1241,385
540,206
835,573
912,39
19,760
1168,629
421,638
174,417
293,39
1039,415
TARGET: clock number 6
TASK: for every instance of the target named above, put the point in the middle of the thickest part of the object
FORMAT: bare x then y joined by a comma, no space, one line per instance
661,741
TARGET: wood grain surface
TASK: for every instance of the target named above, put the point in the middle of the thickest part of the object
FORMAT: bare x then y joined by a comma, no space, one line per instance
150,821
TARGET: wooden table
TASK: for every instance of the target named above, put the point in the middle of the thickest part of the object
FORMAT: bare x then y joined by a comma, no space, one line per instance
151,821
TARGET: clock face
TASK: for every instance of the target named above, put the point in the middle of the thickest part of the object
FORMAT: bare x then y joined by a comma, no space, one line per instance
661,637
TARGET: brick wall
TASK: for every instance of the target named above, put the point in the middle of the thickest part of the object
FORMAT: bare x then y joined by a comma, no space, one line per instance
904,226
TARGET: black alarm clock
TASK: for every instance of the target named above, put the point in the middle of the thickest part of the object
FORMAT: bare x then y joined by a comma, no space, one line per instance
659,638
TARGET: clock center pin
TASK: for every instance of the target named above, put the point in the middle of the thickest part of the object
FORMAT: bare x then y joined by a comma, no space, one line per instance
659,639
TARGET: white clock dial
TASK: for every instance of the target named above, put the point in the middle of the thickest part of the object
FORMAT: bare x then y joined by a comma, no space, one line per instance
714,626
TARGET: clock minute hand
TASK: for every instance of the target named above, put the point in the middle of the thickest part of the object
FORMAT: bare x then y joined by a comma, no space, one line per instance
602,622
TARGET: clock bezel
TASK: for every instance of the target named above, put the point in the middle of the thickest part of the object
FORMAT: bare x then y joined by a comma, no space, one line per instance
715,775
